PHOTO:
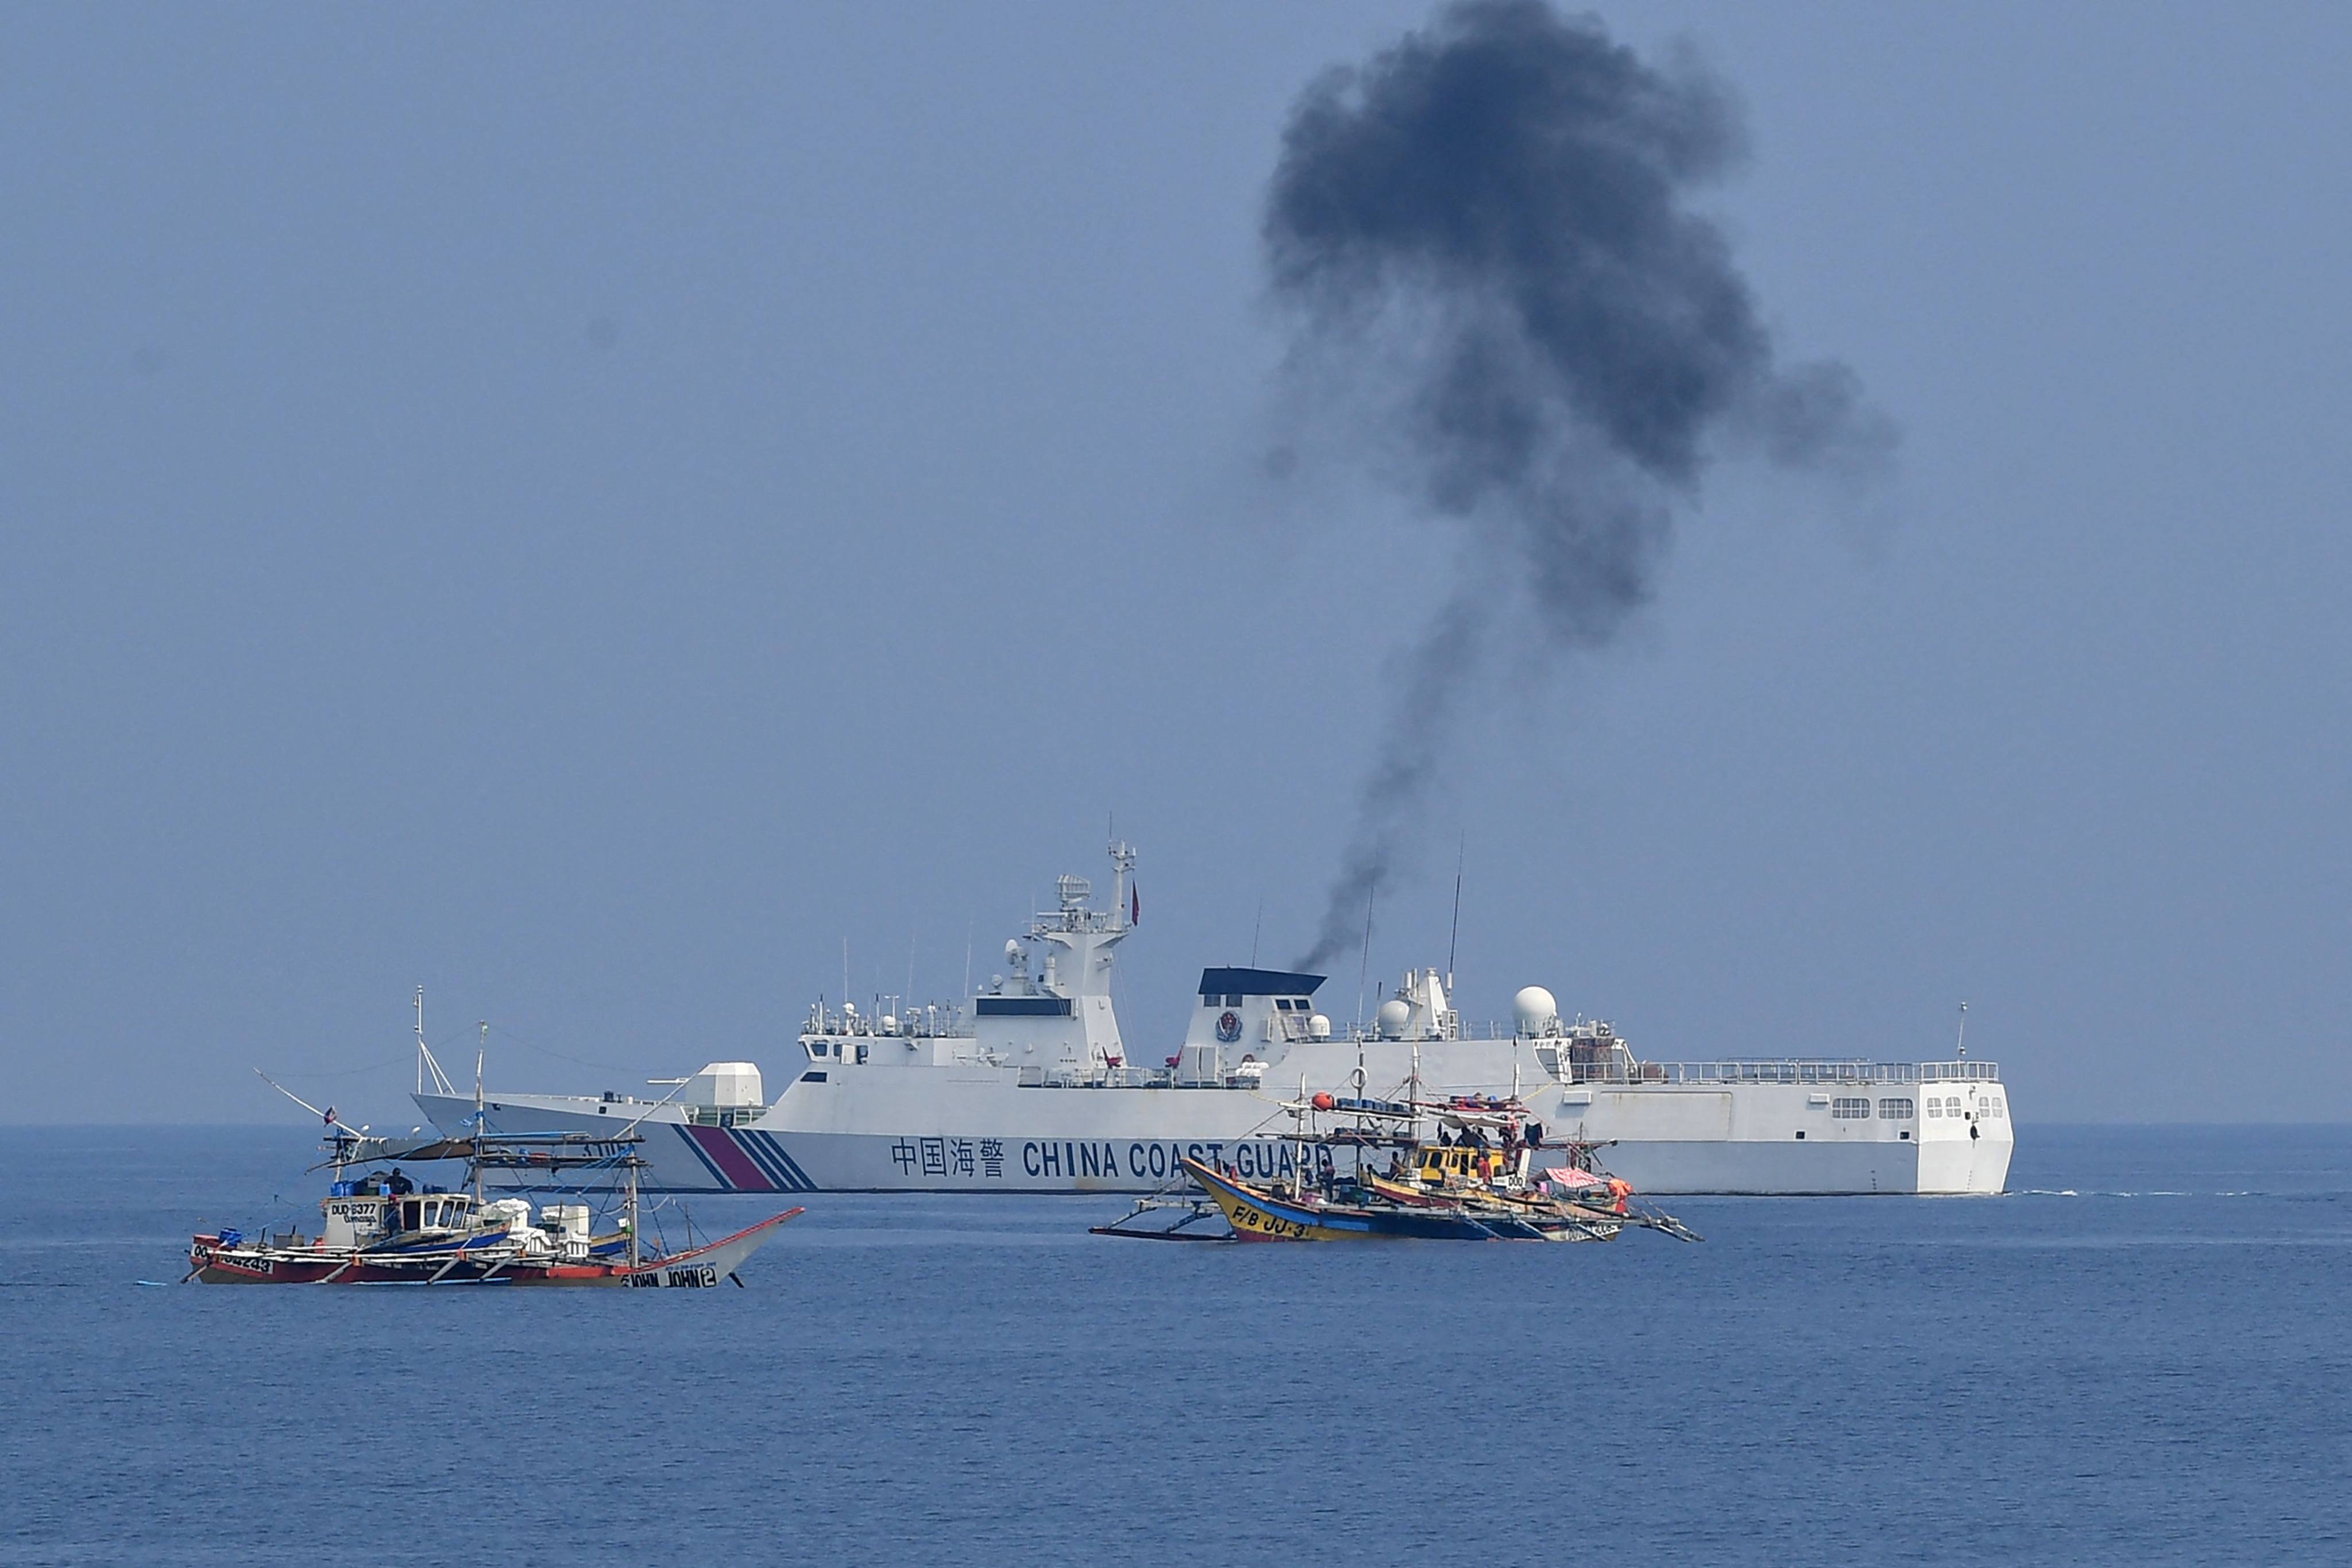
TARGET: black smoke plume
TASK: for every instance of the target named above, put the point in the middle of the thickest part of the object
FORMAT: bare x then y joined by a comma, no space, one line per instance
1487,226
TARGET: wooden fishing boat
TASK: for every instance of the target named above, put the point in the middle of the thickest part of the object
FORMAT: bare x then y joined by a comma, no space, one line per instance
1267,1211
1485,1176
1441,1174
502,1256
382,1229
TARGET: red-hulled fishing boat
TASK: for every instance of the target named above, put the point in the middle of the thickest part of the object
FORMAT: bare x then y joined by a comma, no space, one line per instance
385,1228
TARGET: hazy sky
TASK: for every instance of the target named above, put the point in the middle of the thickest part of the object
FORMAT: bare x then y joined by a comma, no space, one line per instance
585,509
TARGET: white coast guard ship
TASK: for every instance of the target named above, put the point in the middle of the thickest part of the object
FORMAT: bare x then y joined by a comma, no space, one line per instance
1032,1087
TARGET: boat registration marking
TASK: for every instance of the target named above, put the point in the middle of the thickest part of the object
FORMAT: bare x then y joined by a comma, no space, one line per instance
693,1276
1247,1218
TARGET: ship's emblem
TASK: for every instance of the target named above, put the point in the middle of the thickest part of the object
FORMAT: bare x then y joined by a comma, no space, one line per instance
1229,1027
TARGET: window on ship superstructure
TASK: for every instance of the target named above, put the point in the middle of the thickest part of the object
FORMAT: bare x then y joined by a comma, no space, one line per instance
1895,1109
1849,1108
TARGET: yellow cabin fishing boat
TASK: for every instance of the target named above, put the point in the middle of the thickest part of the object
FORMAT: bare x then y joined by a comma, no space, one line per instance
1472,1172
1274,1211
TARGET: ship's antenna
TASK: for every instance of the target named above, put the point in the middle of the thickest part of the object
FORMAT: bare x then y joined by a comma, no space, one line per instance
1454,936
1364,973
1963,1047
844,969
1256,929
967,966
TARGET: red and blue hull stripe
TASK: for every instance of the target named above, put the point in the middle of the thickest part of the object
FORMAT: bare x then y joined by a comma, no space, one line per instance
740,1160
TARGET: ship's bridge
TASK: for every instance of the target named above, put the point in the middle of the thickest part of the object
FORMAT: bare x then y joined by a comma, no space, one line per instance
1049,1013
1247,1017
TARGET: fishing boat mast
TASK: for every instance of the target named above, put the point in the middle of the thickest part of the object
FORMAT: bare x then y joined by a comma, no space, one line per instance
1299,1141
479,1119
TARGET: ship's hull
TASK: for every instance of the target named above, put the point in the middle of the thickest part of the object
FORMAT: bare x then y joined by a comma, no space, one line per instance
1034,1088
882,1130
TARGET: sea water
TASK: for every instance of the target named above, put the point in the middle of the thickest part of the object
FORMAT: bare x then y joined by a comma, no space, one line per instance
2141,1355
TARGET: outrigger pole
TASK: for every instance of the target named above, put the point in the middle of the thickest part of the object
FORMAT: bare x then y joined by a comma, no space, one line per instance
327,1116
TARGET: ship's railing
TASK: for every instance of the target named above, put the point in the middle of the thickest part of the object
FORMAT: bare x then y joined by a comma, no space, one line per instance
1125,1078
724,1115
931,1021
1783,1070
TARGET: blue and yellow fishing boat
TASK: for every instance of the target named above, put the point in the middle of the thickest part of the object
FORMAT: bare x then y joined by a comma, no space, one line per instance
1266,1211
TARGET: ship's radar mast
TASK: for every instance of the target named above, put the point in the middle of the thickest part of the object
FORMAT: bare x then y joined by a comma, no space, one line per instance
1122,862
1071,967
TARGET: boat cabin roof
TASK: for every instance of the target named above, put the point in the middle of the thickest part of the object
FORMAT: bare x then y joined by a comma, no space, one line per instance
1459,1159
